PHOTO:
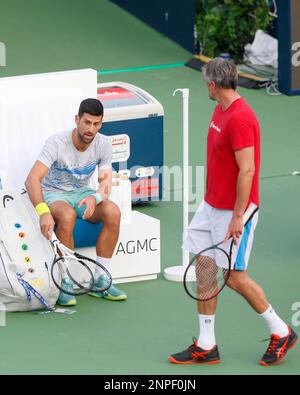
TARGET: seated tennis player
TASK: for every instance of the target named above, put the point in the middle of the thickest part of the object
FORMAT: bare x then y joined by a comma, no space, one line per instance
58,186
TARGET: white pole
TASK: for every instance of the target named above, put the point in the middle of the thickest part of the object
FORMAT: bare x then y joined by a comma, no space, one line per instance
185,208
175,273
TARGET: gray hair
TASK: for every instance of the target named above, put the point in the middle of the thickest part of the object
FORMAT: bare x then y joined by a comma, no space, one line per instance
222,72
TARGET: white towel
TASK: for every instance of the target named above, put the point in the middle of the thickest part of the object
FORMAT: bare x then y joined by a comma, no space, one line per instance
29,116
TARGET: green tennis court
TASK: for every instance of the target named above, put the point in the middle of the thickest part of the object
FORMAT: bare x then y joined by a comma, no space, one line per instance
137,336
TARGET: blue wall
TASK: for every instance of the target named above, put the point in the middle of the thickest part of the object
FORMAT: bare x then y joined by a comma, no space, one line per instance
174,18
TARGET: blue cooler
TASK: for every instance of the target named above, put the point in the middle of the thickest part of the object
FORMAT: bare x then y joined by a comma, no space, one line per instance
133,119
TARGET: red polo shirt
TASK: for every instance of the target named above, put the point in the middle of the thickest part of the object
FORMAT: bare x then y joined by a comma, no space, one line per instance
233,129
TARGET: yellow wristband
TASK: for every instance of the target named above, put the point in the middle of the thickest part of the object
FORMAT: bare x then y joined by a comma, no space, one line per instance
42,208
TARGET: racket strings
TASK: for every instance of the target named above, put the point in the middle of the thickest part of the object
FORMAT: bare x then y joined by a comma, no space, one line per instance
72,275
207,276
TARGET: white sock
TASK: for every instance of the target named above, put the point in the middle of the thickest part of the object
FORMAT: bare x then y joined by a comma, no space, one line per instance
63,270
104,262
275,323
207,338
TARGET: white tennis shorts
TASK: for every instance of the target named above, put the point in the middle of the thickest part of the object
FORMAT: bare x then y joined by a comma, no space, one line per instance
209,226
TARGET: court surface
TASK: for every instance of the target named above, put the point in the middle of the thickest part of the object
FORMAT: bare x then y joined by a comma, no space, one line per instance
137,336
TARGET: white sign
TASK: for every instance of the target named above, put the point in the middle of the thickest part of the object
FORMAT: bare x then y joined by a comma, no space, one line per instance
120,147
137,253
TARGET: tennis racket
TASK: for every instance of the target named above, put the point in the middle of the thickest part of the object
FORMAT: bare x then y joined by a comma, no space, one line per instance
71,265
209,270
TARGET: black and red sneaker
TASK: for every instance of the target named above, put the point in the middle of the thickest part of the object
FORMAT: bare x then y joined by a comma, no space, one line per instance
194,354
278,348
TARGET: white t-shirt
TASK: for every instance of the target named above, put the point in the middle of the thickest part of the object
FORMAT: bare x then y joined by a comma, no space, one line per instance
70,169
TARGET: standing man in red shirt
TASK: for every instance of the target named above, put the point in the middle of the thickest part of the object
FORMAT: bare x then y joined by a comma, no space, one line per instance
232,183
